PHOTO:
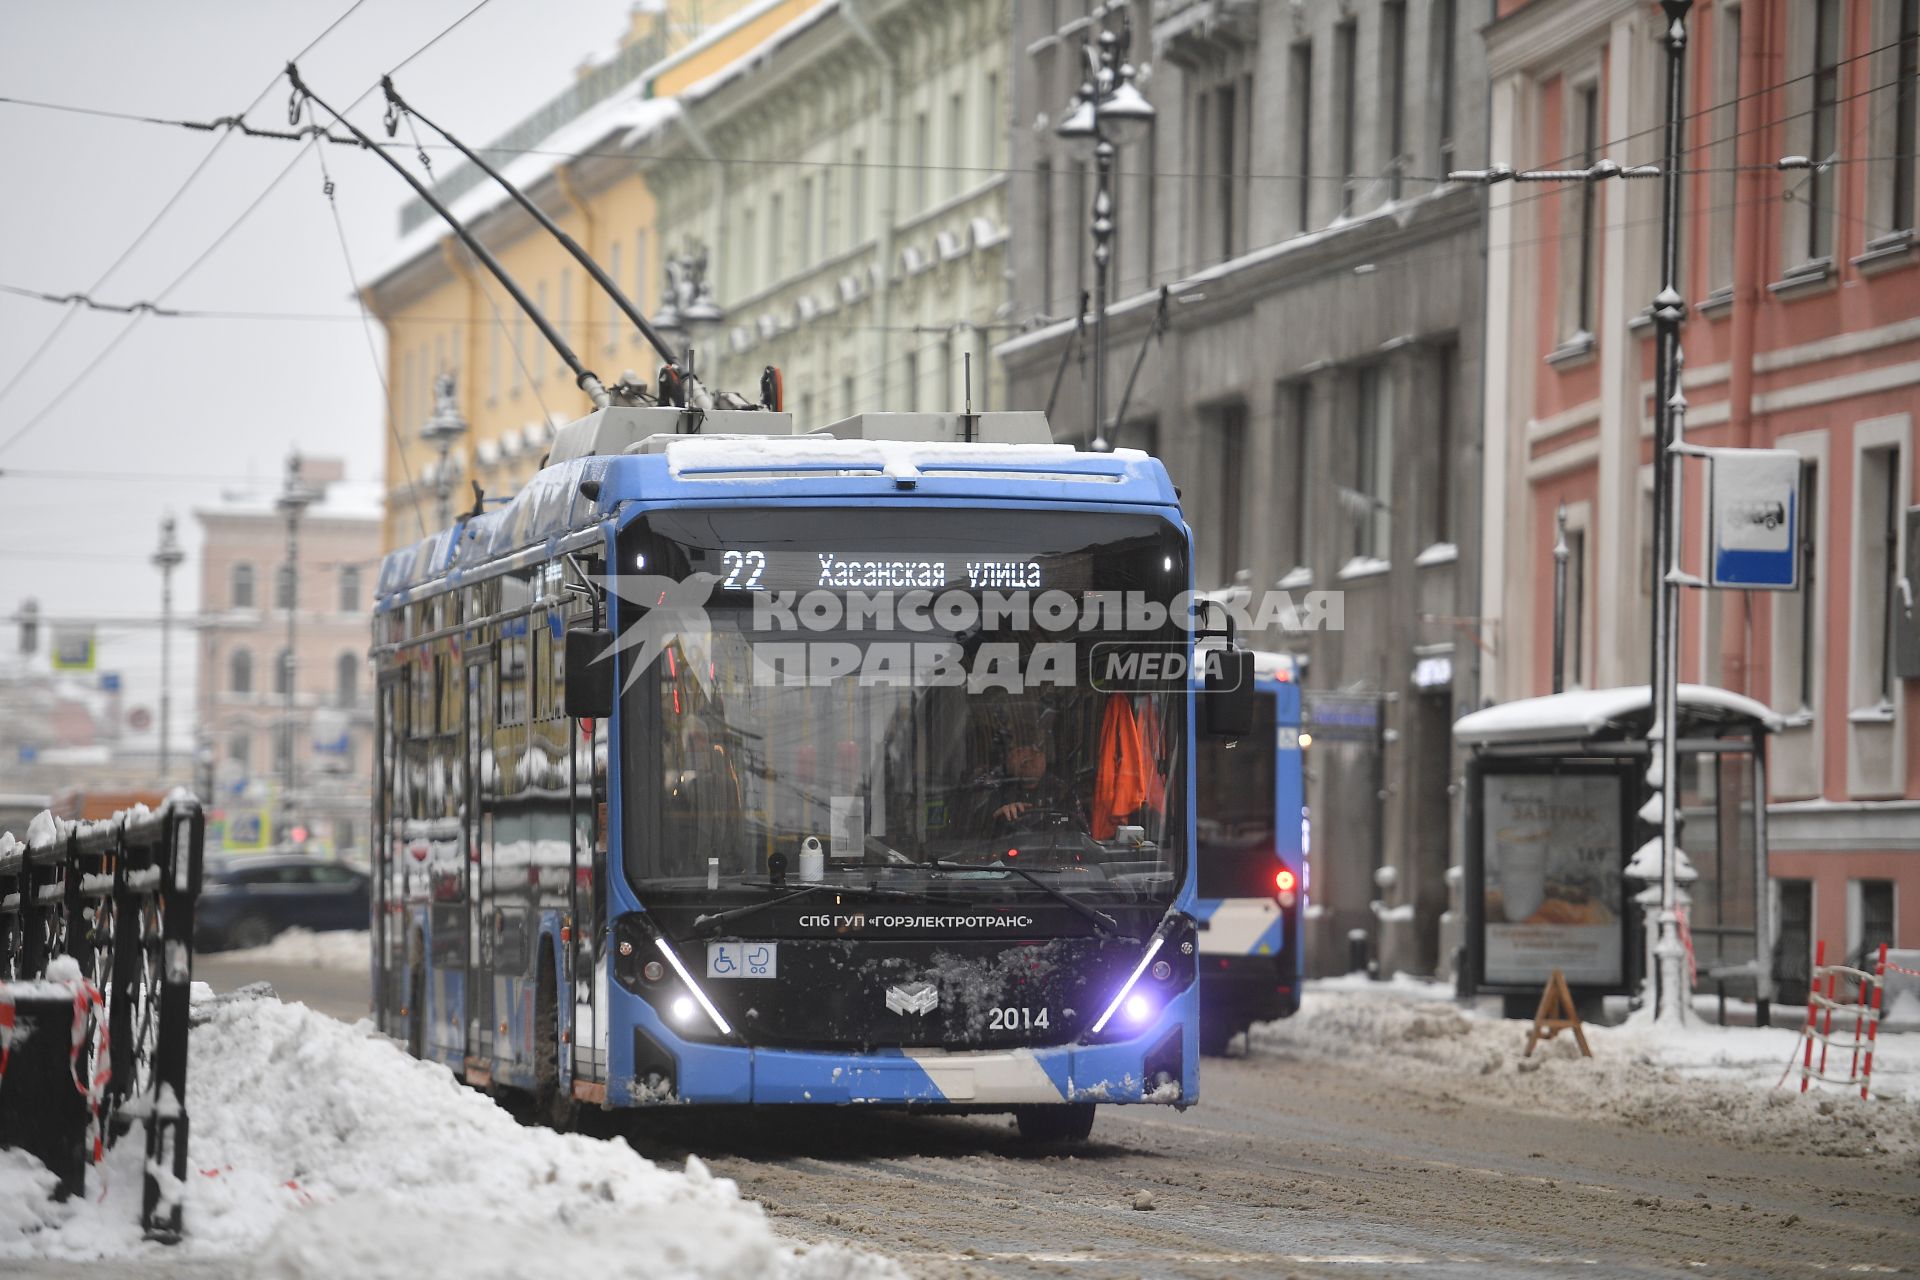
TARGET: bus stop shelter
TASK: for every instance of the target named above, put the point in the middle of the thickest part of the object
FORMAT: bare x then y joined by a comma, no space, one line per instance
1562,864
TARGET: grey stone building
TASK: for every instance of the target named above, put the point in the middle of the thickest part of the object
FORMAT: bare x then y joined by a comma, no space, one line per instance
1316,389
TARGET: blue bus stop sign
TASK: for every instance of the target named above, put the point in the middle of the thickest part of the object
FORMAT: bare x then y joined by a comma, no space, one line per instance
1755,512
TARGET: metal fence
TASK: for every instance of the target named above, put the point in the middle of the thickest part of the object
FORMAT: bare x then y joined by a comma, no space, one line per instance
117,897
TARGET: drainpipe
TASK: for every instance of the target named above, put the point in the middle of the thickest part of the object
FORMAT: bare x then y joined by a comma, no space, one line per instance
1749,269
890,121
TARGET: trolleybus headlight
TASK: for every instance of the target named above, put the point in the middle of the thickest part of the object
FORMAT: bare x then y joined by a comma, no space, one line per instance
1139,1010
682,1009
653,971
693,988
1120,997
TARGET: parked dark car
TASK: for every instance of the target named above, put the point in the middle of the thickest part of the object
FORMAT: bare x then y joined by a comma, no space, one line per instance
245,901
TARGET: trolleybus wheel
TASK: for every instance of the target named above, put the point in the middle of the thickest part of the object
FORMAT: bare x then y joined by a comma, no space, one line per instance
1058,1122
249,931
1216,1037
553,1103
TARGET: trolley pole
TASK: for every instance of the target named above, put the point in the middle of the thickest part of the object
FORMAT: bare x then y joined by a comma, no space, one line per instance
1673,998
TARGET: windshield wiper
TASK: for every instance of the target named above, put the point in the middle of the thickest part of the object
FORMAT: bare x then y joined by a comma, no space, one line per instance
711,922
1102,922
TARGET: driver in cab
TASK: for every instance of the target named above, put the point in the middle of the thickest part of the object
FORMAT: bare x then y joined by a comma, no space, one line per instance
1022,794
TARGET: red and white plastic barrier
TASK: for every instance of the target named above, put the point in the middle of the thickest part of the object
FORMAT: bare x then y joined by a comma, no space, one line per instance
1863,1007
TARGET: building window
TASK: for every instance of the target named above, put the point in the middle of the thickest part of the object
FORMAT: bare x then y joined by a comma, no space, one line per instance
957,172
1587,122
1300,95
1226,120
1819,190
642,282
1043,183
846,396
283,672
1445,381
240,750
1793,944
613,308
241,585
1875,683
1393,99
240,671
1225,459
346,680
539,363
349,589
993,130
776,233
1346,43
1295,408
1446,22
922,158
1576,653
283,587
829,211
913,381
519,350
1725,129
1797,613
1870,921
1893,127
749,276
806,223
1082,209
857,198
1371,494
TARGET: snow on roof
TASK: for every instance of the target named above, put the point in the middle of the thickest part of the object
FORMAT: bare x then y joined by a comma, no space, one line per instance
894,457
1583,713
751,62
623,114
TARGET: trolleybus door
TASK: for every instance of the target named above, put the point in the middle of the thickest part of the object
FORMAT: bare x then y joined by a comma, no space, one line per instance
389,851
483,798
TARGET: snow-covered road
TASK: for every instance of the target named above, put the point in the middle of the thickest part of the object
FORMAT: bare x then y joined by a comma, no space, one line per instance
1382,1132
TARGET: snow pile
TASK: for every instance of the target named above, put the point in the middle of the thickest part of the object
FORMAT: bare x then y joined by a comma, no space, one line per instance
1705,1081
320,1149
343,949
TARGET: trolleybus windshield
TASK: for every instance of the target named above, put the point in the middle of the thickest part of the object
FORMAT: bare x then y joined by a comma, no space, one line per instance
918,700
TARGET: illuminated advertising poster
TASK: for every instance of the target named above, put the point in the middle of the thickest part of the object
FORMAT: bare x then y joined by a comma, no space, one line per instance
1552,854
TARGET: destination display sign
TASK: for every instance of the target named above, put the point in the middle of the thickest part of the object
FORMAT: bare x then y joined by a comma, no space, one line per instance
860,569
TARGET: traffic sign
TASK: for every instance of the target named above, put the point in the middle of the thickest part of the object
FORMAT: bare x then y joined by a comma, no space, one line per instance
1753,498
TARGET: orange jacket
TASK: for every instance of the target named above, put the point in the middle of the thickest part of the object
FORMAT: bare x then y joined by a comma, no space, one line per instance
1121,782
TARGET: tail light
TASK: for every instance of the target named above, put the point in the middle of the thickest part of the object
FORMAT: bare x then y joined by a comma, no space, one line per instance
1286,882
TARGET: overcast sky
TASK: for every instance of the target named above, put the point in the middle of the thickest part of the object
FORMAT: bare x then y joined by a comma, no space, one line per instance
183,407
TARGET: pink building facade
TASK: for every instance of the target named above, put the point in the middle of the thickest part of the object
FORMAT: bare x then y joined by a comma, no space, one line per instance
1802,332
242,661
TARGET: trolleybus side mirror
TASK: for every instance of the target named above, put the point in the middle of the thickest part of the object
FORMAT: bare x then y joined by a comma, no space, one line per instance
1229,704
589,693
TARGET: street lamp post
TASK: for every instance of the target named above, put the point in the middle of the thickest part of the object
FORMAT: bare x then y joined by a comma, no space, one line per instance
295,497
443,430
686,302
1669,409
1108,103
166,558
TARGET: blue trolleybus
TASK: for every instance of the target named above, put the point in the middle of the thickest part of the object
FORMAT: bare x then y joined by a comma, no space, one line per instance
1251,880
729,770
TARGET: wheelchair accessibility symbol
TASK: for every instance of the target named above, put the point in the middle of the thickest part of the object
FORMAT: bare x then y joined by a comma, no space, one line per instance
743,959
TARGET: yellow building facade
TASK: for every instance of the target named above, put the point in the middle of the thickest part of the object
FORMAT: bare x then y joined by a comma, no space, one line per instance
444,313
